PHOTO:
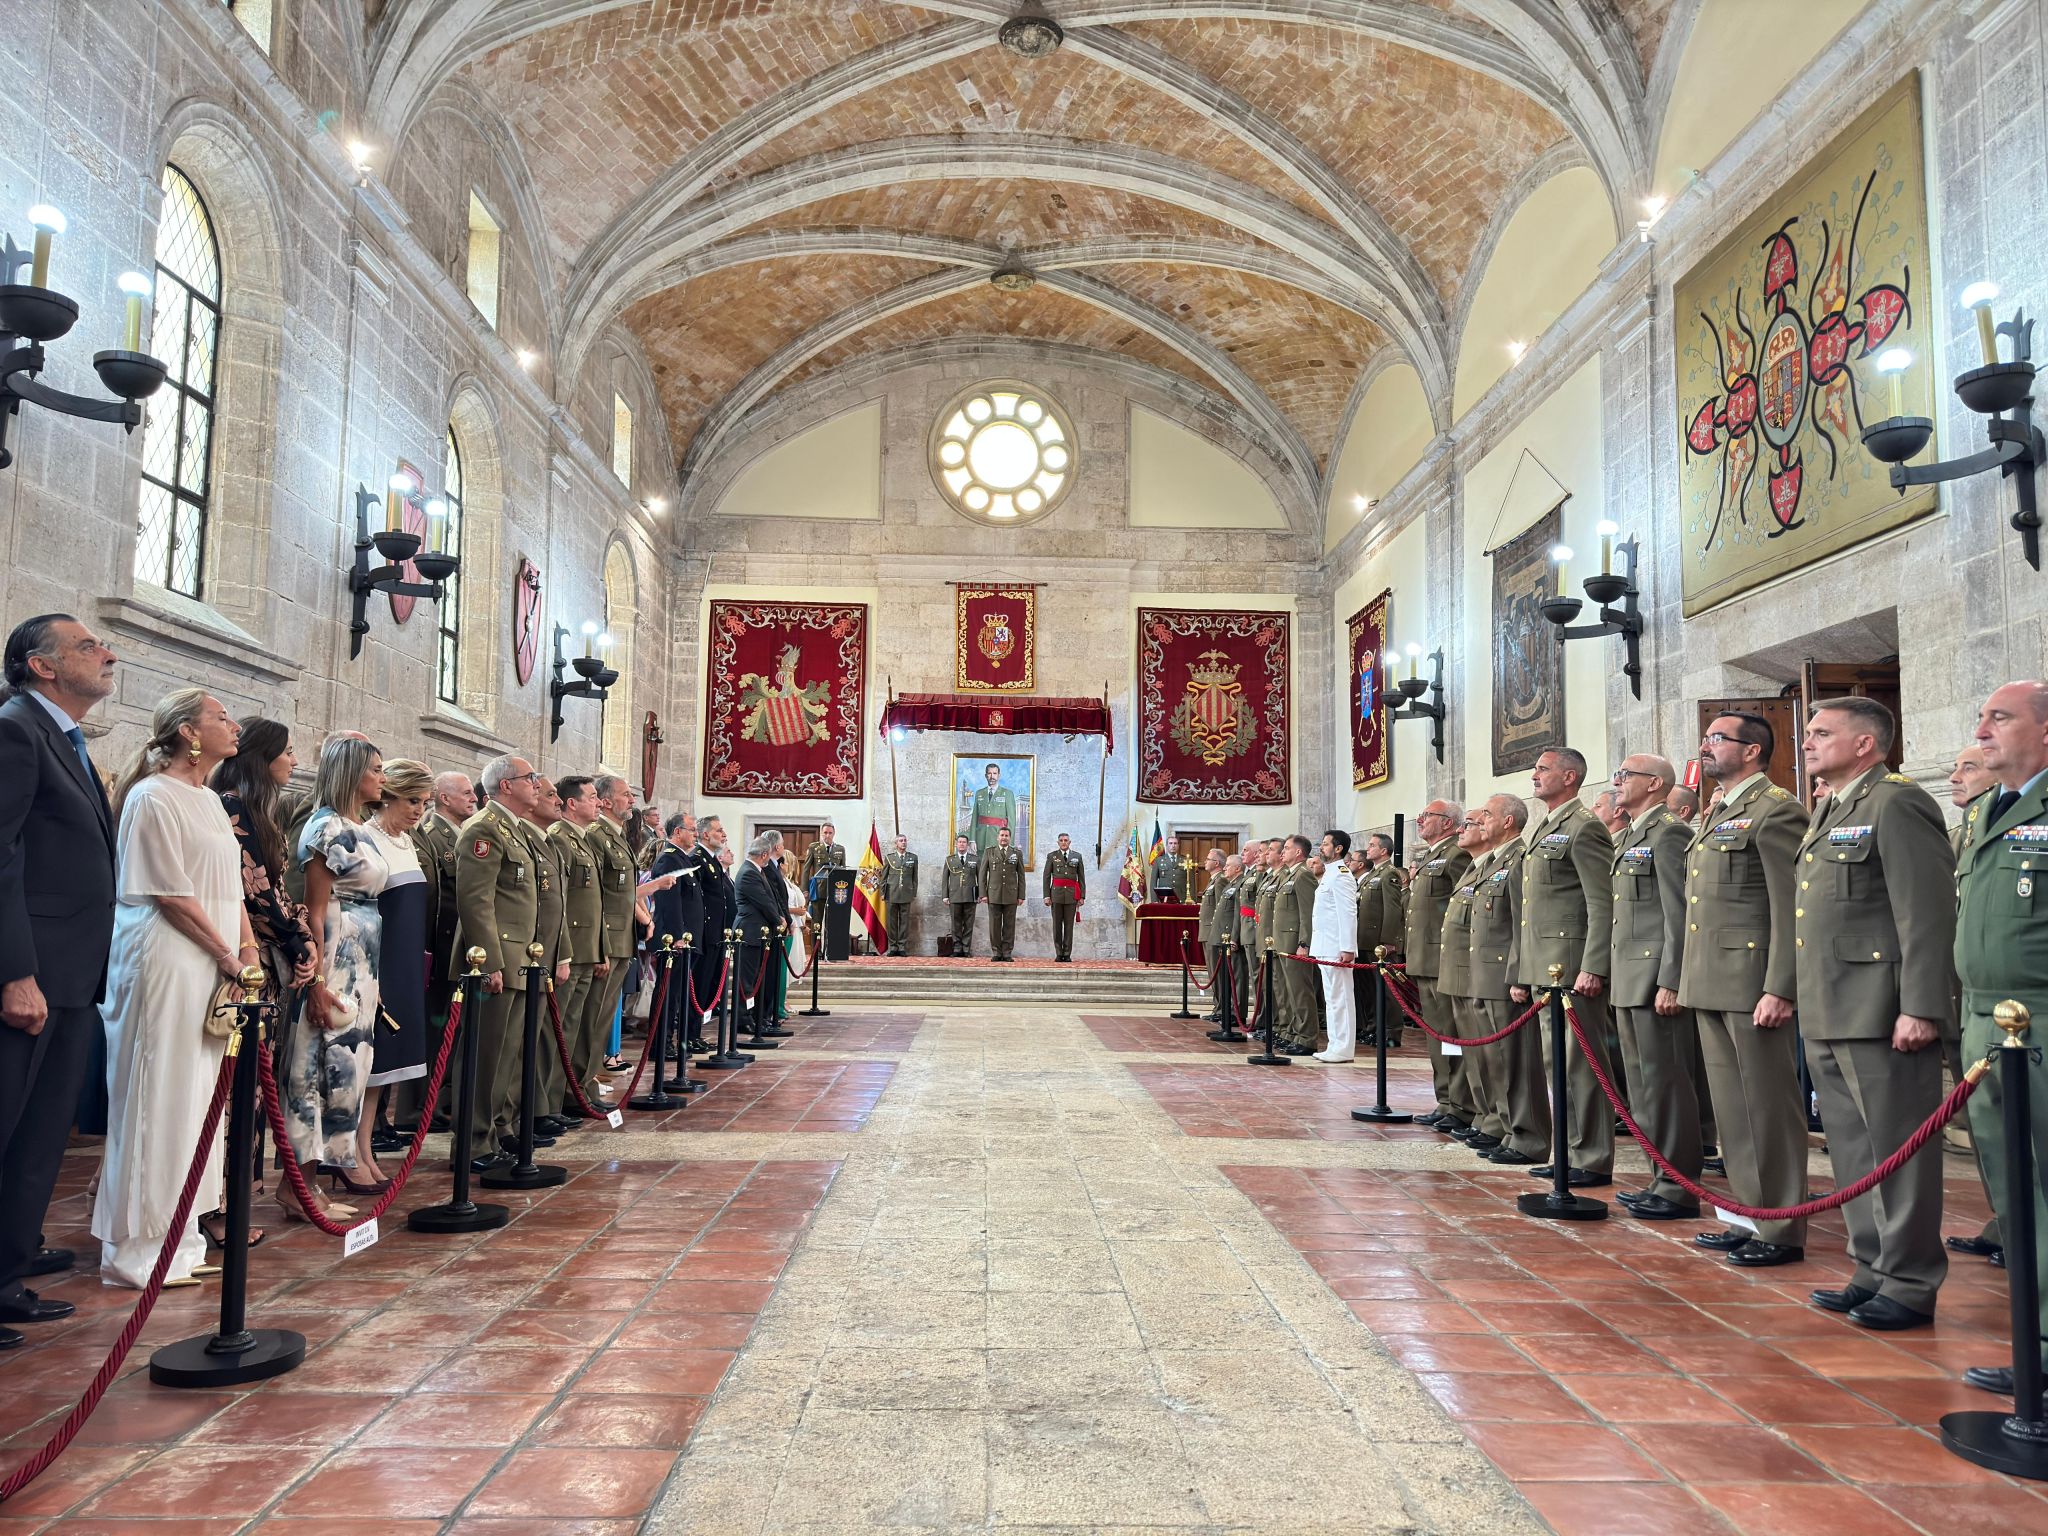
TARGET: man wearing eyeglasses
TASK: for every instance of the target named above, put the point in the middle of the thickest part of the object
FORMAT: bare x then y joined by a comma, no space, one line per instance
1438,873
1738,975
1657,1035
497,899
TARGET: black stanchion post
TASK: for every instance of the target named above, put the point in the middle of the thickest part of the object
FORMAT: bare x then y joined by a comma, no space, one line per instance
1380,1113
235,1354
1183,1012
817,965
1558,1203
526,1173
1268,1057
727,1058
461,1214
759,1035
2015,1443
678,1010
776,965
1226,994
657,1097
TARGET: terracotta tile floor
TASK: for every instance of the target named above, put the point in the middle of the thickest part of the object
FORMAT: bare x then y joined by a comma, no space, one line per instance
776,1096
1308,1101
542,1377
1626,1382
1131,1032
848,1031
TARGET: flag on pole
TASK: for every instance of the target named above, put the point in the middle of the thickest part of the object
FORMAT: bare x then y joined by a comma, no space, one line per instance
868,905
1130,885
1158,843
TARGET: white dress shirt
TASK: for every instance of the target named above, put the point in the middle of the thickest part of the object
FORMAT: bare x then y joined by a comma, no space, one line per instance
1336,914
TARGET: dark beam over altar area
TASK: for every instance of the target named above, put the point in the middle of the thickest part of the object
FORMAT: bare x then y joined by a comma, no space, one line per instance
998,715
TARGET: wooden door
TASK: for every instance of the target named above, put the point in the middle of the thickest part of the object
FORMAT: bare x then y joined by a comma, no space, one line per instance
1782,767
1196,846
797,838
1877,680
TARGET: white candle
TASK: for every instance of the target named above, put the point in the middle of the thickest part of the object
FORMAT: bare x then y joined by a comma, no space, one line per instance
136,286
49,224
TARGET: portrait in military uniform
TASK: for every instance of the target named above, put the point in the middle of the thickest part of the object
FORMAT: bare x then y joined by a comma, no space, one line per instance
991,792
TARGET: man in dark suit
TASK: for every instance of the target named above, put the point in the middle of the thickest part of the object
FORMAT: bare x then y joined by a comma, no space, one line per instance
56,927
763,908
719,909
676,898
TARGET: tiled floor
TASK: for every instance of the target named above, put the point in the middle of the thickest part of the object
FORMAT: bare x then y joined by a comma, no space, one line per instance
1132,1033
846,1031
1308,1101
544,1376
778,1095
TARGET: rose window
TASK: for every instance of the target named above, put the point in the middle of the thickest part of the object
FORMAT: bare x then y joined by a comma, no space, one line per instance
1003,454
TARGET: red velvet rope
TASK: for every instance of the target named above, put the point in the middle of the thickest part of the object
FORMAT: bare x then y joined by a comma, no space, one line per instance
653,1045
74,1421
296,1176
697,1009
568,1066
747,1000
1929,1129
1415,1017
1187,964
810,959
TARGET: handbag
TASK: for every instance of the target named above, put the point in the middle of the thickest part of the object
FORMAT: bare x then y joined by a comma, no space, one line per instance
223,1013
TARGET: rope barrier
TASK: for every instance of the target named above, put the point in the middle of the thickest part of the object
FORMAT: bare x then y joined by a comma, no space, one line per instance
1187,964
810,959
1929,1129
654,1028
1414,1015
699,1010
747,999
296,1176
568,1066
82,1410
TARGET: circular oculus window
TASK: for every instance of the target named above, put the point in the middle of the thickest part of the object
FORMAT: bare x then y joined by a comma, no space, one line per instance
1002,453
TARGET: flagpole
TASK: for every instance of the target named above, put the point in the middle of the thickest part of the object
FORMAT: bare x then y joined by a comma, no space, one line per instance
1102,783
895,804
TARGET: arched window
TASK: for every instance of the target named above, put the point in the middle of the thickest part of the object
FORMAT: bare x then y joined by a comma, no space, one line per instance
447,669
617,740
177,443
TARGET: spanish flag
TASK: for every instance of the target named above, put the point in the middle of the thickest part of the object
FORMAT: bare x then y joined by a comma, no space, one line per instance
868,905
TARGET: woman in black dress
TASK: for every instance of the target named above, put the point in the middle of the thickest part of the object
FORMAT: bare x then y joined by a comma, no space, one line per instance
399,1039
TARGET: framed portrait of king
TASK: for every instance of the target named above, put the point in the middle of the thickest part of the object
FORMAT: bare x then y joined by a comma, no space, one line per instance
991,791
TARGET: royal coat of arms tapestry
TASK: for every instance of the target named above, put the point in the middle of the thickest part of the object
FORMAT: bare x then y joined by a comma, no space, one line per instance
1372,751
784,687
995,638
1212,707
1778,335
1528,658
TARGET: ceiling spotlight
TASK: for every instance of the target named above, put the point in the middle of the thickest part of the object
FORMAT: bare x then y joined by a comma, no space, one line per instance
1012,279
527,358
656,504
1516,349
1359,503
1031,37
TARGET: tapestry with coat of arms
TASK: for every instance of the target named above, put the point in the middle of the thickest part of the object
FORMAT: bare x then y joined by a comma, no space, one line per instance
1372,751
1213,707
995,638
784,689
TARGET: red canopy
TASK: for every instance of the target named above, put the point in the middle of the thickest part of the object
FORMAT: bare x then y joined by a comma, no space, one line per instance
998,715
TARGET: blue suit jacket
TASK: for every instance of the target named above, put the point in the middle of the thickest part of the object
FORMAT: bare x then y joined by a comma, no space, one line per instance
56,861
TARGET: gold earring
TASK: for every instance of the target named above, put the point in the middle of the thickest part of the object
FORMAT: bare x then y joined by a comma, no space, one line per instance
195,752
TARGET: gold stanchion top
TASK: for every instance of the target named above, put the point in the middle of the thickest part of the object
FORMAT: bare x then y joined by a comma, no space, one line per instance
1379,954
534,951
252,983
2012,1017
668,940
1556,975
686,939
476,958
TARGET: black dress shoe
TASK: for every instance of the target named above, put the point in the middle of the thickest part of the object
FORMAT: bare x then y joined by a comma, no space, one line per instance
1983,1248
9,1339
50,1261
1847,1299
1888,1316
1586,1178
510,1144
1654,1207
25,1306
1448,1125
384,1139
1758,1254
490,1162
1990,1378
1508,1157
571,1114
1722,1242
1479,1141
1431,1118
1714,1165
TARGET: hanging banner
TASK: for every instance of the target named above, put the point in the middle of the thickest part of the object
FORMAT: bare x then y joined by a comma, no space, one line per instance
1212,707
785,684
995,638
1372,750
1528,658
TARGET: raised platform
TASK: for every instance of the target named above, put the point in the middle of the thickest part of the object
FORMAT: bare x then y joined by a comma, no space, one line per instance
869,982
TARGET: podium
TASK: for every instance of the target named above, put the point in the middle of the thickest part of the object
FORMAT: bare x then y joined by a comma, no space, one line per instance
836,921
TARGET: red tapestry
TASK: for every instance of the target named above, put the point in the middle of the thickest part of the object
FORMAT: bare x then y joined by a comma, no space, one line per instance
995,638
1372,753
784,690
1212,707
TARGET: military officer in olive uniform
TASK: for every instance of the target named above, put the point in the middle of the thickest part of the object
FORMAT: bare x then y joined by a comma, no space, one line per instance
1206,922
496,898
586,932
1294,983
1437,873
899,894
1064,888
1000,879
1658,1038
1568,920
551,928
1454,986
1871,938
616,874
1510,1072
822,855
1233,936
2002,954
1382,919
1264,881
1739,978
1169,874
1966,781
962,880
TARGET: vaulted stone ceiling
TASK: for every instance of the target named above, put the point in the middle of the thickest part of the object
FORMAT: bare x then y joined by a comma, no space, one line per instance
1257,196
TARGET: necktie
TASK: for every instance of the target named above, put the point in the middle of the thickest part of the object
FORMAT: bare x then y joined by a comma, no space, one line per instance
2004,801
77,740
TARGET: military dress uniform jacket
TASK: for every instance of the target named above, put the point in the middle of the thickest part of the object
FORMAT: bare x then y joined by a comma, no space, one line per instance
551,896
1454,941
1439,873
1497,922
617,878
1266,885
496,894
584,893
1001,877
1294,909
2001,948
1205,921
1649,908
435,840
1382,908
962,877
1739,890
1064,866
822,856
899,877
1873,933
681,908
1169,878
1567,896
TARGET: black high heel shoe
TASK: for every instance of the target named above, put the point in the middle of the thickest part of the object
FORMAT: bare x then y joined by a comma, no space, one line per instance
342,1180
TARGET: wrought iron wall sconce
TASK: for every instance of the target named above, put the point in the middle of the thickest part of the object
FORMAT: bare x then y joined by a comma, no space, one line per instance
32,313
1607,589
2001,392
1412,688
397,546
594,678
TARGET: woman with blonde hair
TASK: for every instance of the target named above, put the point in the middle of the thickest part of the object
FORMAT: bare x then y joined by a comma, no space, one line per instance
397,950
179,929
330,1071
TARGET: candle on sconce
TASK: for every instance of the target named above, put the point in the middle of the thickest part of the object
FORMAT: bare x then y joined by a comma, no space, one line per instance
1892,362
1607,531
437,525
48,224
399,487
604,644
1562,555
137,287
589,637
1979,296
1414,651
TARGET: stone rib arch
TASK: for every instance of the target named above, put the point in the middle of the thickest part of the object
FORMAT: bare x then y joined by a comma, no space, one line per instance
473,416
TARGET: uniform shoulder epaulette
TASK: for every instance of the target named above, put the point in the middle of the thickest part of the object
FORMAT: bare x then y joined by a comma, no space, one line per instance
1896,778
1775,793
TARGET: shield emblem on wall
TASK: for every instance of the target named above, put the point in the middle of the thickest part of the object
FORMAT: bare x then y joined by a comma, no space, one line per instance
525,619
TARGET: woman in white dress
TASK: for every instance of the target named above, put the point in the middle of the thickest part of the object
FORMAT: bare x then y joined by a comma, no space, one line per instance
179,928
